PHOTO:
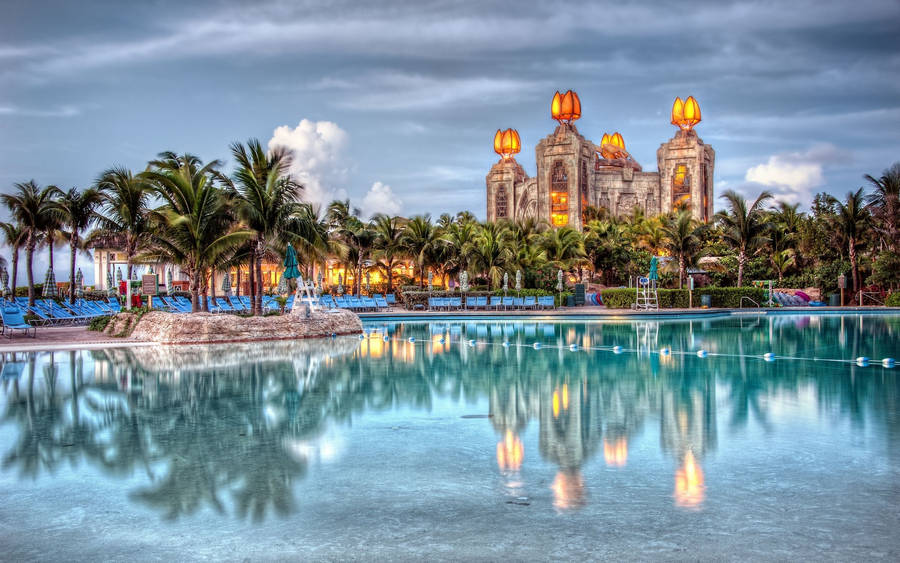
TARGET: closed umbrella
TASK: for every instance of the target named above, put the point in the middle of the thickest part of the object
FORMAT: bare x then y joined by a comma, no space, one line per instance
559,282
464,281
654,267
50,291
282,288
319,287
169,289
290,263
368,290
79,284
430,279
4,280
505,282
518,280
340,289
118,275
226,284
110,288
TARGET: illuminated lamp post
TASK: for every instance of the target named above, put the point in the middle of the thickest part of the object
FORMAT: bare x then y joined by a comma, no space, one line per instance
686,114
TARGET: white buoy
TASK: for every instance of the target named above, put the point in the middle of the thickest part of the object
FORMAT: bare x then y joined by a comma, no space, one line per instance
362,336
386,337
862,361
471,342
412,339
506,343
769,356
573,347
334,335
701,353
888,362
664,351
441,340
617,349
537,345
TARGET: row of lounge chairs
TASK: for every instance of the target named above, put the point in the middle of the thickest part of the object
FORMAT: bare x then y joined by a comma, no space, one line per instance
50,312
359,303
496,303
233,304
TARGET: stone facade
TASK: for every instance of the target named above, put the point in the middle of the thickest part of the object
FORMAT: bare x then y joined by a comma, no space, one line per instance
572,174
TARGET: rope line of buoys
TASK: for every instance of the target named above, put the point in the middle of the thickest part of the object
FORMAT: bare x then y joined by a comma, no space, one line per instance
861,361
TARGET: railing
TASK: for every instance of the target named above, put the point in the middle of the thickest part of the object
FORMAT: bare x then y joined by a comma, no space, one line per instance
741,304
874,297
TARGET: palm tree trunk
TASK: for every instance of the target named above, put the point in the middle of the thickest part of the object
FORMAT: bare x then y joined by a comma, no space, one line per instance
742,257
29,259
74,245
212,285
680,271
237,278
204,280
251,268
359,265
854,267
15,269
195,292
259,281
390,276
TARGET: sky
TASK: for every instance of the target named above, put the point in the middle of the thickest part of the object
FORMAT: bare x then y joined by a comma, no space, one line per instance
394,104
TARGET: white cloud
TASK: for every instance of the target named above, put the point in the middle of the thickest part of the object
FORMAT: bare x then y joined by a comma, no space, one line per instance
380,199
41,261
62,111
318,158
792,176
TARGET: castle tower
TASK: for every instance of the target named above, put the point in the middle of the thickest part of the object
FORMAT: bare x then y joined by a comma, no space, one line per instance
686,165
505,181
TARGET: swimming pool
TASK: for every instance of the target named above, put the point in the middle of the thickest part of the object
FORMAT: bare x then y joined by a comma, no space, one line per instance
479,439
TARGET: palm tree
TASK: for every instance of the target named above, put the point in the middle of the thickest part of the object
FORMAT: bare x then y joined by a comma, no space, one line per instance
196,218
267,199
604,248
356,237
76,212
419,239
683,240
781,261
459,237
491,251
123,211
30,206
388,244
53,233
852,220
563,246
886,205
743,228
13,237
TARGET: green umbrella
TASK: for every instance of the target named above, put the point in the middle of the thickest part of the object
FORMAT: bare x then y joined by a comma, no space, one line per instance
110,287
79,284
50,291
653,275
290,263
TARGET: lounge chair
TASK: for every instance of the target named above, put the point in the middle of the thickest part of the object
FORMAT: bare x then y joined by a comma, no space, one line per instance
369,304
391,299
471,303
224,305
481,302
114,304
380,302
507,302
529,302
454,303
518,303
546,302
14,319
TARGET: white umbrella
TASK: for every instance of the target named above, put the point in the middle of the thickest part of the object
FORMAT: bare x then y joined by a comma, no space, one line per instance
79,284
559,281
464,281
282,288
226,283
340,288
518,280
169,289
430,278
367,283
4,280
110,287
505,282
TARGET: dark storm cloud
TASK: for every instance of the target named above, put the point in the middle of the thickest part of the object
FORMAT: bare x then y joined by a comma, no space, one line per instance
419,87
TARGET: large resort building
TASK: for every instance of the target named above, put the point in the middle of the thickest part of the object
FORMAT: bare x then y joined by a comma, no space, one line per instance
574,173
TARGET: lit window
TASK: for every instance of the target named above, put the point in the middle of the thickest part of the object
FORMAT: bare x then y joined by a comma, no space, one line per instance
559,195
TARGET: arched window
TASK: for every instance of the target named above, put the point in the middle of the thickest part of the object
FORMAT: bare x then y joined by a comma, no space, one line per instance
583,186
559,195
681,188
500,203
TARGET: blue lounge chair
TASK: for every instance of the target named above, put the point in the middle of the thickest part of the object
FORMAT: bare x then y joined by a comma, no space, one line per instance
507,302
546,302
380,302
369,304
454,303
391,299
342,302
114,304
530,302
14,319
496,302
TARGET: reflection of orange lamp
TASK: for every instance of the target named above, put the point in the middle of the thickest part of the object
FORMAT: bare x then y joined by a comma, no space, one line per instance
510,452
568,490
689,489
562,398
616,453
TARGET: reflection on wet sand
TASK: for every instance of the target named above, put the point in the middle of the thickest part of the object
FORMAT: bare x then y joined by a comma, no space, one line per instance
233,427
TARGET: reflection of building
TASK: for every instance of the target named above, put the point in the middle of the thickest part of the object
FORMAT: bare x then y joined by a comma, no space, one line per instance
573,173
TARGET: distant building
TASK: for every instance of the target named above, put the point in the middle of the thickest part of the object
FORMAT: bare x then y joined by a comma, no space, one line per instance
573,172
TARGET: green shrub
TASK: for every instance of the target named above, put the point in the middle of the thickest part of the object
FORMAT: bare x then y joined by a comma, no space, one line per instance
728,297
98,324
893,300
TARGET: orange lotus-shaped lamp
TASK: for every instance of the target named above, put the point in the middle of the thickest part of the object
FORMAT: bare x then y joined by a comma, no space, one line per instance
565,108
613,146
507,143
686,114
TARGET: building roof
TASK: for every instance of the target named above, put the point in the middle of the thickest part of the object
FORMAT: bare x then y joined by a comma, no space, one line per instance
114,241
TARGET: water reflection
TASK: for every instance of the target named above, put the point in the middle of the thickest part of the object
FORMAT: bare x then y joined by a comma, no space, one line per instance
234,427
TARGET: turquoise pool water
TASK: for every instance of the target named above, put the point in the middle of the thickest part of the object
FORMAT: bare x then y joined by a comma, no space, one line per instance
468,442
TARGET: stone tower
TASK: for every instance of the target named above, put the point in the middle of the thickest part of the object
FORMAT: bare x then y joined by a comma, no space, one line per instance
505,189
565,161
686,174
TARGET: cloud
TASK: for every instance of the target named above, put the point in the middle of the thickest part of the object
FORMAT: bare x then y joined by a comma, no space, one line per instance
380,199
318,158
41,261
62,111
792,176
